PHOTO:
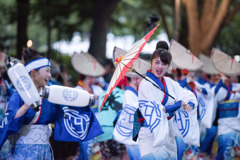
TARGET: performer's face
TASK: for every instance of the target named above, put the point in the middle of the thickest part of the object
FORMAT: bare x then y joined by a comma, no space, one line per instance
136,80
158,67
41,77
90,80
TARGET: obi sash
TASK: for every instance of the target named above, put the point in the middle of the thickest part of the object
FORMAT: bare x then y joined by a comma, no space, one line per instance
31,134
228,109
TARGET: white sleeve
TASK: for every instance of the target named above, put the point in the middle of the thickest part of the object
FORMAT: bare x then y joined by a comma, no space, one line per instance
152,111
184,94
186,123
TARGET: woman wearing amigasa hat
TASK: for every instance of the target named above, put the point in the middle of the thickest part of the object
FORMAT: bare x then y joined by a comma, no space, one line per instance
227,96
28,129
207,78
89,69
124,127
205,99
189,65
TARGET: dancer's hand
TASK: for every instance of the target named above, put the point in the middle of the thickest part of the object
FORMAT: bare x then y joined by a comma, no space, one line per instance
186,106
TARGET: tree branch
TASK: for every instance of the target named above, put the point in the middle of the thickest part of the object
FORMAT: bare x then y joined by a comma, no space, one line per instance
216,25
208,13
193,25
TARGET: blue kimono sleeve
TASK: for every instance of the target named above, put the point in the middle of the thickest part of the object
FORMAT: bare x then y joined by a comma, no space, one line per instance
9,125
76,124
9,128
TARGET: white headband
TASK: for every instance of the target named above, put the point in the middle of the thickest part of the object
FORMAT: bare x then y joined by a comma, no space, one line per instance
37,63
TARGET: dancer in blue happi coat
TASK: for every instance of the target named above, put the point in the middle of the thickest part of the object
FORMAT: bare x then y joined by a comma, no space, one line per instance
123,130
28,129
227,96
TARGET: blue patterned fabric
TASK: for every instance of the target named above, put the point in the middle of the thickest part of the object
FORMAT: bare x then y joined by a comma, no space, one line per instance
228,109
76,124
228,146
207,143
185,151
161,155
136,125
9,125
133,152
85,149
50,113
180,147
30,152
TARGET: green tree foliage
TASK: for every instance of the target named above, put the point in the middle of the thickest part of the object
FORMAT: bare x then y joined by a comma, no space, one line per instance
230,37
50,21
8,26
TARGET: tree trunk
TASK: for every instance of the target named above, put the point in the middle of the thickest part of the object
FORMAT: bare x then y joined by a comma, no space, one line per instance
208,13
102,12
217,21
49,55
49,29
193,25
22,23
203,29
177,15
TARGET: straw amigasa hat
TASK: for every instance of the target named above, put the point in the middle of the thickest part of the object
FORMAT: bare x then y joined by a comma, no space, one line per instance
140,65
86,64
208,66
183,58
224,63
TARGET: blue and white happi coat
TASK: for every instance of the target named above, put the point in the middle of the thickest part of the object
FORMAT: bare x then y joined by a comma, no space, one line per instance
124,126
71,124
160,132
205,103
205,114
227,115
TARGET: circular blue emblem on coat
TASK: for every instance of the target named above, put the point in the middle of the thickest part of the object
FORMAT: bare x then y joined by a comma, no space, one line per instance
70,95
124,125
23,83
183,121
76,123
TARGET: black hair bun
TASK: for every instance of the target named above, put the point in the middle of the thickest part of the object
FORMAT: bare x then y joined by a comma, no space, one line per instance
162,44
30,54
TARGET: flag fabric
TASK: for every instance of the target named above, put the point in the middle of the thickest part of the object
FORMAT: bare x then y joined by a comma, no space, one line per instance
76,124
